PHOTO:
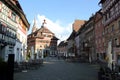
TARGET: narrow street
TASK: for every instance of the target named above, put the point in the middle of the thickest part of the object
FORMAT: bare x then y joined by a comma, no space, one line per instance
54,69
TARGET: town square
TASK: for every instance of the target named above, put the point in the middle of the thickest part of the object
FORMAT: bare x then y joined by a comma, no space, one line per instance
60,40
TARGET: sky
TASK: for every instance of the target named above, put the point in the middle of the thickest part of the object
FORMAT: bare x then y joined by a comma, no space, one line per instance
59,14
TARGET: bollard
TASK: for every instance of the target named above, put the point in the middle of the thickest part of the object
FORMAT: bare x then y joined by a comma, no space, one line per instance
3,71
10,66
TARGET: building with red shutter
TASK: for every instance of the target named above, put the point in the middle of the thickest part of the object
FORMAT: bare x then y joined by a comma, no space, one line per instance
13,24
41,42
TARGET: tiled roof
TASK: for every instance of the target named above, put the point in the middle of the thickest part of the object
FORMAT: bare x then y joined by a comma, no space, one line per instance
38,33
102,1
16,3
44,30
72,36
55,38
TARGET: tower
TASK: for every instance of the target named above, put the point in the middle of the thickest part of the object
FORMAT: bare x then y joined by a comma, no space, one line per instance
34,26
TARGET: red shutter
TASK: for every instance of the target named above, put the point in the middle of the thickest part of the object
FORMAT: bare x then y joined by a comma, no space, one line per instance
0,6
9,14
17,19
21,23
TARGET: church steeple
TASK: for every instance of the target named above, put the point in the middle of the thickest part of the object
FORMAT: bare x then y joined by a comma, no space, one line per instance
34,26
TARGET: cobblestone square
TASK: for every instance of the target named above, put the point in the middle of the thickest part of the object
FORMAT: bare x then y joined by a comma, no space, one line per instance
54,69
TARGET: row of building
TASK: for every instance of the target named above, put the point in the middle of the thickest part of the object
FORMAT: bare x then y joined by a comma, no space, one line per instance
89,40
94,36
14,39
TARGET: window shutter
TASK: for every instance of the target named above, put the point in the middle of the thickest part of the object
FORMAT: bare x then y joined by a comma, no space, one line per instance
0,6
17,19
9,13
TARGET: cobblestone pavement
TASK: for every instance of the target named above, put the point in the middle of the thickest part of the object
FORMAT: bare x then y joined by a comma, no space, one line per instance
54,69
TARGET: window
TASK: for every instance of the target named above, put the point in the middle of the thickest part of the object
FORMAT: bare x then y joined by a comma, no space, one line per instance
14,35
106,31
45,46
116,41
0,28
105,17
118,59
44,35
6,38
47,41
112,28
40,45
103,33
32,41
49,36
7,31
13,16
10,32
119,24
32,35
17,19
116,7
3,37
18,36
111,12
41,41
119,6
0,36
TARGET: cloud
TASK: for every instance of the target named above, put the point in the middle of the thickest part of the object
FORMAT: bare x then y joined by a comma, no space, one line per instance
61,32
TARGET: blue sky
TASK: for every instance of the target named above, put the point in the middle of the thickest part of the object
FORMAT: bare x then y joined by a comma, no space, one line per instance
59,14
